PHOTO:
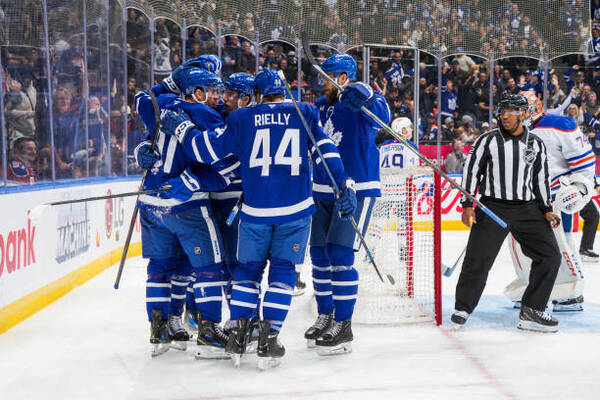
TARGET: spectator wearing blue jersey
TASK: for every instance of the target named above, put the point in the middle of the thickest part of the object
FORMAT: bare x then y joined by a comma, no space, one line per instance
334,241
272,146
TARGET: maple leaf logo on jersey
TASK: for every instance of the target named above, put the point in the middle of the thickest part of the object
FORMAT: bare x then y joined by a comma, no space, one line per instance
335,136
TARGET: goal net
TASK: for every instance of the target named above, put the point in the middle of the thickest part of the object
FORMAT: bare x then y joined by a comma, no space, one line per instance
404,237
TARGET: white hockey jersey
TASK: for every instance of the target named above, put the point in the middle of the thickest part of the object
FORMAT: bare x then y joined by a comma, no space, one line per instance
569,151
394,154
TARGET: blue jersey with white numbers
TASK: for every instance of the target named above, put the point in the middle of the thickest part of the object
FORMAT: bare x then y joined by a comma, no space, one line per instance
272,146
173,160
353,132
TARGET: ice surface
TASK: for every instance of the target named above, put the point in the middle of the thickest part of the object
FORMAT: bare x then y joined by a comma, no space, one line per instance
93,344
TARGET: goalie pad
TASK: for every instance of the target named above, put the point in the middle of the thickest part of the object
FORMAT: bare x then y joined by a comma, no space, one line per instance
569,280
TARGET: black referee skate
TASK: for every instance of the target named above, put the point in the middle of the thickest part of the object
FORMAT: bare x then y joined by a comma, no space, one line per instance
538,321
322,323
211,341
238,339
459,318
159,334
574,304
270,350
336,340
589,255
177,332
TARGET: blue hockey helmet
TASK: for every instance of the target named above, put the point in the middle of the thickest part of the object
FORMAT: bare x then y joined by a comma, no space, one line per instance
211,63
338,63
199,78
268,82
241,83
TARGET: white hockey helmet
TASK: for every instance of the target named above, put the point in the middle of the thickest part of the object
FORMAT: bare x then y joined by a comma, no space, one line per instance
404,127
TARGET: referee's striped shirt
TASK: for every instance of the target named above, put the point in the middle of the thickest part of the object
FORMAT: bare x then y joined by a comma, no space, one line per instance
496,167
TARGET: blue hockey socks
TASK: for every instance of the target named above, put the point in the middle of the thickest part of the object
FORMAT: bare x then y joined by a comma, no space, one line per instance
278,297
208,292
245,292
344,281
321,274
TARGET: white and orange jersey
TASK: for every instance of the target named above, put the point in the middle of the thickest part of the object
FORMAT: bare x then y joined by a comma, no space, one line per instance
569,151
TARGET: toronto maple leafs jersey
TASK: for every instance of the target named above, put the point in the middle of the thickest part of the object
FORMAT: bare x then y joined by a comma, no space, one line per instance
569,151
272,146
173,160
354,134
395,154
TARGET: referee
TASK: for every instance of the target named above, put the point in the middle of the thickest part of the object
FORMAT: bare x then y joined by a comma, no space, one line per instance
509,168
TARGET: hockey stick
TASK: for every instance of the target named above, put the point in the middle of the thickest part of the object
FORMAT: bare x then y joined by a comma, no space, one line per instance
37,211
490,213
447,271
336,189
135,207
234,211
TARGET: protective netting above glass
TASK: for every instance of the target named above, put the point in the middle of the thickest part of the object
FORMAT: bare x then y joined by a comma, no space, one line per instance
493,28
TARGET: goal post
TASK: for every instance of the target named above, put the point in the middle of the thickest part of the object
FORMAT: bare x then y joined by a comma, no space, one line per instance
404,235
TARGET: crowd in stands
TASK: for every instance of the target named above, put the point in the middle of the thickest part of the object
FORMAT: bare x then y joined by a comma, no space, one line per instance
89,137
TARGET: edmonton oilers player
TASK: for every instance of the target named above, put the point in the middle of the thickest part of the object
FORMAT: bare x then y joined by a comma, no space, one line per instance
272,146
333,240
571,161
239,88
177,232
393,153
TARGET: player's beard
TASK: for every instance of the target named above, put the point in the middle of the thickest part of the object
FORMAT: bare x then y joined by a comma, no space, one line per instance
331,95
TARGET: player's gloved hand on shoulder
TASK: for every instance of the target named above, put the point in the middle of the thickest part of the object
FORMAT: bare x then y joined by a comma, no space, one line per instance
208,62
346,203
182,186
175,123
357,95
144,156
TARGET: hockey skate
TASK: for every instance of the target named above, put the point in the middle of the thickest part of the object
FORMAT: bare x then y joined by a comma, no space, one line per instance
236,345
177,333
159,334
459,318
537,321
190,322
211,341
321,325
300,287
589,256
253,334
562,305
270,350
336,340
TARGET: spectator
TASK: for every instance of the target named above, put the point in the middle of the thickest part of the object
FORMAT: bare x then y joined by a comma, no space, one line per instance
455,161
574,112
162,57
247,60
19,106
21,166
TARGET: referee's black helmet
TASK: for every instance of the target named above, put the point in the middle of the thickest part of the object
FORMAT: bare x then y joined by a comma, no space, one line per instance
513,101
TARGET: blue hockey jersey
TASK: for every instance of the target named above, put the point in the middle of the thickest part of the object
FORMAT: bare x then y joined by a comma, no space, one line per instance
272,146
173,159
353,133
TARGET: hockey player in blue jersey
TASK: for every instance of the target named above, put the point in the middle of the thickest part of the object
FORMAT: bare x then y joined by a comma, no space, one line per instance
333,241
272,146
178,232
239,89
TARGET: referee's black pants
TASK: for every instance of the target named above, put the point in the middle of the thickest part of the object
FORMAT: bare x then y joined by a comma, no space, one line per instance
590,217
527,224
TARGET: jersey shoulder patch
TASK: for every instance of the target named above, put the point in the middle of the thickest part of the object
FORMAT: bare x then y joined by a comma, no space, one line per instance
557,122
18,168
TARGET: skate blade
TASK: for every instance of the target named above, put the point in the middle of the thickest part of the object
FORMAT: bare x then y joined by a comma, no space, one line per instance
236,360
160,348
179,345
298,292
567,308
342,348
535,327
265,363
311,343
211,353
589,259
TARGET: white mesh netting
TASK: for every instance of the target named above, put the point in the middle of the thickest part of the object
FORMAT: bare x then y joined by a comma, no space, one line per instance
401,238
